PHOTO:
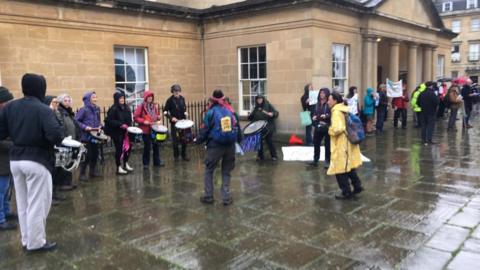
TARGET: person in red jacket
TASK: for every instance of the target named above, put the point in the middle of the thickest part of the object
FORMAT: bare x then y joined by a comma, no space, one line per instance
146,114
399,104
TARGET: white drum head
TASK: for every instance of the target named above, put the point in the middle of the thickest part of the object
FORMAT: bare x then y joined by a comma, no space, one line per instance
134,130
184,124
69,142
254,127
160,128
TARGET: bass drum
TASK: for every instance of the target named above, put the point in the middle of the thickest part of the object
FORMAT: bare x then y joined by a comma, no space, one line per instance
184,131
159,133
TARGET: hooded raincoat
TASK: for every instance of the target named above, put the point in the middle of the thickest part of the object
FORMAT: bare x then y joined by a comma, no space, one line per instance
345,156
88,116
146,112
369,103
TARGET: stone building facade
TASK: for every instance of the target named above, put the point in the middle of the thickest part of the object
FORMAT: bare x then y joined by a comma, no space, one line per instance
463,17
244,47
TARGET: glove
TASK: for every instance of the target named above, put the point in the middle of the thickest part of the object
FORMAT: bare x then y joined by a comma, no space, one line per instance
124,126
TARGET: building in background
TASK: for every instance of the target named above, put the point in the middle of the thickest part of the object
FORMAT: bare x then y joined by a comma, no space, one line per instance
463,18
246,47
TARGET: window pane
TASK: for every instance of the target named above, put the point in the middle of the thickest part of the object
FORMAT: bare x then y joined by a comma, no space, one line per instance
119,53
140,73
119,73
130,88
140,56
131,76
262,88
262,54
247,103
244,55
245,71
253,54
130,55
246,87
263,71
253,71
339,53
254,88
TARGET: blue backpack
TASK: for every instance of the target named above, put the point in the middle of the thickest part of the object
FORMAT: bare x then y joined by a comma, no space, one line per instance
355,131
224,130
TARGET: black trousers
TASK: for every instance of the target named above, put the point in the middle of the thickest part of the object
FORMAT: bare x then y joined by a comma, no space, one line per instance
118,152
225,153
400,113
176,142
468,112
344,184
150,144
318,136
381,116
271,146
91,158
61,177
428,126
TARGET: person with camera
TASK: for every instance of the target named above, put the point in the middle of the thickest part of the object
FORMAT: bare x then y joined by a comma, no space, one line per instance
321,123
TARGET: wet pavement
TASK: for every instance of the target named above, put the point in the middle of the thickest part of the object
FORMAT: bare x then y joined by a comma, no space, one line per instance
420,210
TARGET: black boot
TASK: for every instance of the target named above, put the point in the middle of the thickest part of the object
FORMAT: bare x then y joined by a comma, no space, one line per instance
94,171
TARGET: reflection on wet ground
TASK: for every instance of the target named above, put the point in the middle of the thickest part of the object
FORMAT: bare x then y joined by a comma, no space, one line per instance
420,210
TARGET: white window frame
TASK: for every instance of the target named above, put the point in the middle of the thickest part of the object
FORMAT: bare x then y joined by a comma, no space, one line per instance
473,55
472,4
475,25
455,56
346,48
137,96
459,26
244,111
444,6
440,66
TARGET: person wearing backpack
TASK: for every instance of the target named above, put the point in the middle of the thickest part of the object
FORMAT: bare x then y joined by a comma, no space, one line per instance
345,156
220,132
454,103
265,111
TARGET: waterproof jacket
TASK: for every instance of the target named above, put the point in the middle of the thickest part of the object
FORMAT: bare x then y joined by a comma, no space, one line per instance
117,116
454,100
259,113
400,102
303,100
345,156
383,100
204,134
369,103
322,109
142,114
428,102
31,125
88,116
176,107
466,92
67,120
415,96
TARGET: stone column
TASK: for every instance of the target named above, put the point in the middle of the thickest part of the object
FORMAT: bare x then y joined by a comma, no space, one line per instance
412,67
394,60
427,64
374,63
434,63
367,63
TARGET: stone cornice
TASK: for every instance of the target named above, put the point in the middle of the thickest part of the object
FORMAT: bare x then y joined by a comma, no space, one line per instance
79,25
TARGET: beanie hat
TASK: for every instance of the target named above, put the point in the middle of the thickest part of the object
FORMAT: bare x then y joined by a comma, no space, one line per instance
5,95
217,93
175,87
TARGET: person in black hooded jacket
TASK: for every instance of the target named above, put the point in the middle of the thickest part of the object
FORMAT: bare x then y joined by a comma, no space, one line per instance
34,130
428,101
119,118
265,111
304,100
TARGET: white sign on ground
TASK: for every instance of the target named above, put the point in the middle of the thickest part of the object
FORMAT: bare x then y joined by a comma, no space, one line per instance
305,153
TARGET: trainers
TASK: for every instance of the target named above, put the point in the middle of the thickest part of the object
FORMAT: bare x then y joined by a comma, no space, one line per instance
313,163
49,246
228,201
128,168
121,171
5,226
358,190
326,165
206,199
341,196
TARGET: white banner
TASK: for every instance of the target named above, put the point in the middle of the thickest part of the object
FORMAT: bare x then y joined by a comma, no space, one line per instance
313,97
305,153
394,89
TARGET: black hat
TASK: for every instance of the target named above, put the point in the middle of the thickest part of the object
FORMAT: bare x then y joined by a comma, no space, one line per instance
34,85
48,99
429,84
175,88
217,93
5,95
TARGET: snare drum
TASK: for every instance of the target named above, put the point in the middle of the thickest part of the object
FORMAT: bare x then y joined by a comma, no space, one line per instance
159,133
253,133
98,136
184,131
135,134
69,154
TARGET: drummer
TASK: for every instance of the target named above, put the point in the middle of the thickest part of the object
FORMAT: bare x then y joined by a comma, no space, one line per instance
175,110
88,117
119,118
265,111
146,114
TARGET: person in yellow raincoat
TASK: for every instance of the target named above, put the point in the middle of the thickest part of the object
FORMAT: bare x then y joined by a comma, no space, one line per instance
345,156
